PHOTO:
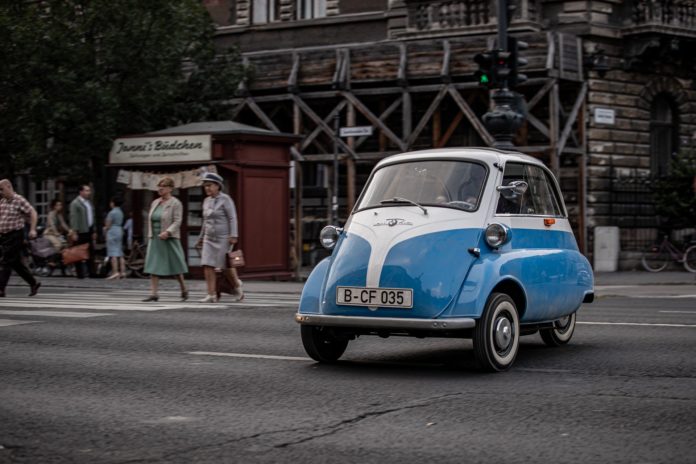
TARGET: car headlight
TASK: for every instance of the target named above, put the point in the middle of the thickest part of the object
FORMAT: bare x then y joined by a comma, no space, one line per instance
329,236
497,235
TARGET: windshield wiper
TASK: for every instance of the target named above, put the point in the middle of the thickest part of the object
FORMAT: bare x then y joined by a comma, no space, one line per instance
403,200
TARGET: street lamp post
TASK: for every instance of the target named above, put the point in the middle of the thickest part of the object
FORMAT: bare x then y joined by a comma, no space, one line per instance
502,121
334,194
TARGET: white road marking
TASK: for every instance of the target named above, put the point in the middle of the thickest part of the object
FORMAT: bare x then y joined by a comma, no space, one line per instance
245,355
131,301
666,297
679,312
9,322
52,313
638,324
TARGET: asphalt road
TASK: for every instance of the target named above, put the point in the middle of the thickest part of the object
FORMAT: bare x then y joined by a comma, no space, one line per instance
203,383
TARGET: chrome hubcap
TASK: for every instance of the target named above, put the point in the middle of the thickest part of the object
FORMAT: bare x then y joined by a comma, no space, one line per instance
502,333
562,324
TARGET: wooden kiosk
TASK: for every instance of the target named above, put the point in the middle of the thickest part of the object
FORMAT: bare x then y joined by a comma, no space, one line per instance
255,165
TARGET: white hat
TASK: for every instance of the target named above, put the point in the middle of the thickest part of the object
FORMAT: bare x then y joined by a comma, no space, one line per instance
212,177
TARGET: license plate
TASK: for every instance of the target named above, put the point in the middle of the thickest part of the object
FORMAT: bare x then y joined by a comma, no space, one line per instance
373,297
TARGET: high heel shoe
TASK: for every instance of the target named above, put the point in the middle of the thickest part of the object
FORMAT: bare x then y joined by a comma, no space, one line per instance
208,299
113,276
184,295
238,294
151,298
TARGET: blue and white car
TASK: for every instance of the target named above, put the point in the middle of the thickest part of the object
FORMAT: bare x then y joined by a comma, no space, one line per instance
470,242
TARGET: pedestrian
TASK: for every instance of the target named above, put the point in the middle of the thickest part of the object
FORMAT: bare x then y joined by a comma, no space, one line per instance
218,236
82,224
15,211
113,230
57,229
165,255
57,233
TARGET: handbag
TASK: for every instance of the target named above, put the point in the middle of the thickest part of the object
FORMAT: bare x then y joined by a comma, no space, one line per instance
235,258
76,254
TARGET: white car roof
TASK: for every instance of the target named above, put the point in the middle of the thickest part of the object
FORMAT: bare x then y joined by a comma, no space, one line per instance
487,155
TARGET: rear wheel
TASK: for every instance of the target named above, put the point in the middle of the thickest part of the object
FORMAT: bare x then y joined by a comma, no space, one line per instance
655,259
690,259
560,333
321,344
497,334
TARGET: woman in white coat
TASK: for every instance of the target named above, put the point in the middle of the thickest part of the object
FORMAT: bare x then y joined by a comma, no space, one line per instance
218,236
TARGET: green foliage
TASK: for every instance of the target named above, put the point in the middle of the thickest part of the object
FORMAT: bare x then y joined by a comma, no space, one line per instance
675,198
76,74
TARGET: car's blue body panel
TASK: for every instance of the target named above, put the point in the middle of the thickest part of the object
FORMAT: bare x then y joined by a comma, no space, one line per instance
449,281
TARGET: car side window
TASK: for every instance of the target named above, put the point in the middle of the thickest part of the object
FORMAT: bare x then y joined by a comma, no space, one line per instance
540,192
511,203
538,199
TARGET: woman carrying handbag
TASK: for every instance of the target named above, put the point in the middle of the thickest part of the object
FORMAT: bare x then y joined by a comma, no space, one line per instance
218,236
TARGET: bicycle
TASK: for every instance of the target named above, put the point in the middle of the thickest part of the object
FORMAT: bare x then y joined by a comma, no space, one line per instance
135,259
656,258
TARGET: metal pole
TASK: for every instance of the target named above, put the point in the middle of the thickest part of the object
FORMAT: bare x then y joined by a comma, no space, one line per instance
334,197
502,25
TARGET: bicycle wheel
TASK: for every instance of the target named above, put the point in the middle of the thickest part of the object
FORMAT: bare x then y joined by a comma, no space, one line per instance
136,262
690,259
655,259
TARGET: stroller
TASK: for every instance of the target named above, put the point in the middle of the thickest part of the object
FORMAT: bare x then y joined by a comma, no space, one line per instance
44,257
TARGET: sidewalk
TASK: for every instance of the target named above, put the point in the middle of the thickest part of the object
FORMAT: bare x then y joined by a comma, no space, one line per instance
663,283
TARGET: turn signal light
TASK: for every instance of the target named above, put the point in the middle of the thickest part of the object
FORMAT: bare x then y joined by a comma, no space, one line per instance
548,222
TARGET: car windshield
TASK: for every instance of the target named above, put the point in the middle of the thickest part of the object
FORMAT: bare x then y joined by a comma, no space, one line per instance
453,184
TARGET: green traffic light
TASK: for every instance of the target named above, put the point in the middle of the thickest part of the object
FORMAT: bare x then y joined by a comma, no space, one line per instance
484,79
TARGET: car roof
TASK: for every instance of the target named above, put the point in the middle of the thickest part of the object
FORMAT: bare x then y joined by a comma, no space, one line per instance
485,154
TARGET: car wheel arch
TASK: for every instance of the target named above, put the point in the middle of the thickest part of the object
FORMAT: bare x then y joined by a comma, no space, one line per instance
515,291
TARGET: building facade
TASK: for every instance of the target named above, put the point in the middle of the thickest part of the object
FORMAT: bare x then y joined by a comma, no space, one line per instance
610,96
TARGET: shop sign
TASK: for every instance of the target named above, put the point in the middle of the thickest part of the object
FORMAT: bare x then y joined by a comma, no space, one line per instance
164,150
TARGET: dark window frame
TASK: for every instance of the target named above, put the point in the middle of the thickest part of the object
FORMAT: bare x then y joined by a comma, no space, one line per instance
664,133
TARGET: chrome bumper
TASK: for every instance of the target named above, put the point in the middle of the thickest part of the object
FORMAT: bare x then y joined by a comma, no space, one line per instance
396,323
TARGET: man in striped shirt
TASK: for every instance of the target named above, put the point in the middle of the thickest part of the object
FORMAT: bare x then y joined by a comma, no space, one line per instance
15,211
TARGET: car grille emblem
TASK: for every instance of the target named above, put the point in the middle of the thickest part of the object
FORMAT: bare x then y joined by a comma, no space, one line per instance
391,222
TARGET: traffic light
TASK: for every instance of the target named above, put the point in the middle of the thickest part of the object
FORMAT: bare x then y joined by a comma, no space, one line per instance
502,69
485,75
516,61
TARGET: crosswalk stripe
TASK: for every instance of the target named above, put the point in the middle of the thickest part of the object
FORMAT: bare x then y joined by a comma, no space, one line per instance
9,322
104,306
52,313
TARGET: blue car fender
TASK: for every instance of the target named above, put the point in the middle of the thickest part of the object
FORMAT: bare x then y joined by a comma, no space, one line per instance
310,300
483,277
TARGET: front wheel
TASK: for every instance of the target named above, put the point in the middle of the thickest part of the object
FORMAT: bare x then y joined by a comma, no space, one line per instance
655,259
560,333
497,334
690,259
321,344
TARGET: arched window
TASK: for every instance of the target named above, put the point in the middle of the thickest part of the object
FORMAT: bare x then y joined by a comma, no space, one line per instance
664,133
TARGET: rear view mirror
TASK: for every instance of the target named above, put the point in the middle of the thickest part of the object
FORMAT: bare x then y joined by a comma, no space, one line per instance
513,190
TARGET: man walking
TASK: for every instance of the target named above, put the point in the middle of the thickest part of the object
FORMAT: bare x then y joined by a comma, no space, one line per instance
15,211
82,224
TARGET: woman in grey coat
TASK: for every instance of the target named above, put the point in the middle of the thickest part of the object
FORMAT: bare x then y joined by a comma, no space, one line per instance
218,236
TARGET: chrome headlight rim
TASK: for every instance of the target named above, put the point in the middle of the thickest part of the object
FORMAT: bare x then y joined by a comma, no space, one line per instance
328,237
497,235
